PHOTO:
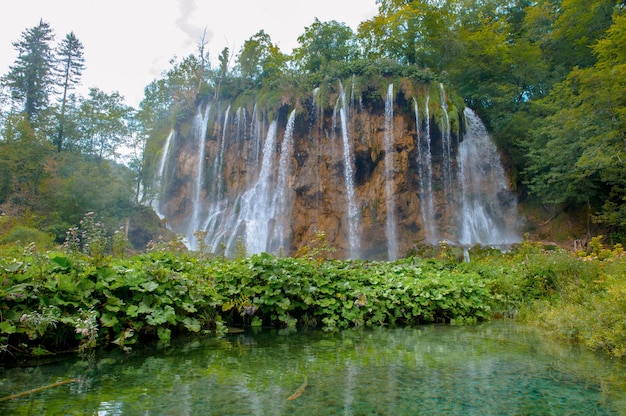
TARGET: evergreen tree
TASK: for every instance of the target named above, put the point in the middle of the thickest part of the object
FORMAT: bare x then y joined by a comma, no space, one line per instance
31,78
71,64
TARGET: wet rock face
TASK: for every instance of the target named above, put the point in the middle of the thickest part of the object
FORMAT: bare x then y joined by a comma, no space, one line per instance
246,190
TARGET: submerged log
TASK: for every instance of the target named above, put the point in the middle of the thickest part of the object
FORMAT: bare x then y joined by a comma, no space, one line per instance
38,389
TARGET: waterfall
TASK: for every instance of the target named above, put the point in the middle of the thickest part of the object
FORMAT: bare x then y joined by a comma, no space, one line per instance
392,243
240,119
225,221
446,143
200,125
160,175
255,203
487,203
214,220
354,237
219,165
279,206
425,172
247,178
255,133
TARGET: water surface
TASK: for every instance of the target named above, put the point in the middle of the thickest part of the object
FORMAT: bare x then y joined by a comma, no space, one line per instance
489,369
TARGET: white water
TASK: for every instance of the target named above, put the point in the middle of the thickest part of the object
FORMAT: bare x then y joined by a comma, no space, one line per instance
160,175
486,200
425,171
219,166
282,195
255,203
200,125
354,237
446,143
256,134
392,241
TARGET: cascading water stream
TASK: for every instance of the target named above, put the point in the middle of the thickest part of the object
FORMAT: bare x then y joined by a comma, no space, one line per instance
214,219
226,222
160,175
255,133
200,123
354,237
425,171
255,203
219,166
279,206
392,241
446,143
487,203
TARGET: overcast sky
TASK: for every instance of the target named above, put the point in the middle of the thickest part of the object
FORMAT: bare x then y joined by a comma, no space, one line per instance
129,43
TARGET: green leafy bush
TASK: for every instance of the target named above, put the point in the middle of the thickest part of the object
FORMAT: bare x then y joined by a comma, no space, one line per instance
61,300
587,302
26,235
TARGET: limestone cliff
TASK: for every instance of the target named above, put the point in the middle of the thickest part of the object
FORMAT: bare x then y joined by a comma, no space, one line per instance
376,172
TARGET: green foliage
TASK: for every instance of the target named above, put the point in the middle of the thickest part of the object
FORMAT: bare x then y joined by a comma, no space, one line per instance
103,123
319,249
324,43
61,300
260,59
588,307
576,150
25,235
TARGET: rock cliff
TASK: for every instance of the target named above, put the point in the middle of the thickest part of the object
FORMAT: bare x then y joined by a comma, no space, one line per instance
376,171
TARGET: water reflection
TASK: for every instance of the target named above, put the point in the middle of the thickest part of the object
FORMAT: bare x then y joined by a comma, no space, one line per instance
495,368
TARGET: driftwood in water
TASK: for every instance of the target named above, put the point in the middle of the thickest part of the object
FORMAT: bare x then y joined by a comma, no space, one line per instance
38,389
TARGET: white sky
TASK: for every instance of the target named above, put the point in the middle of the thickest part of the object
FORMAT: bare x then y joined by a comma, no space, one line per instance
129,43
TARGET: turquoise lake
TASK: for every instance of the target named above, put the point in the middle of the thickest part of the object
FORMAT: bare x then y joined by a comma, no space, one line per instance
490,369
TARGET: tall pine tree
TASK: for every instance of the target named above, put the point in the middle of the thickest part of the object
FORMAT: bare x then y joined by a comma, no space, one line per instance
31,78
70,64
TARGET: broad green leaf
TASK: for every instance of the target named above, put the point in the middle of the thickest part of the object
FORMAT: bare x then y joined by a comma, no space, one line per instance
149,286
192,324
132,311
109,320
7,327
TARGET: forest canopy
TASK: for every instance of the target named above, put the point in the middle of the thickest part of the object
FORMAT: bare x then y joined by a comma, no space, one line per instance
547,77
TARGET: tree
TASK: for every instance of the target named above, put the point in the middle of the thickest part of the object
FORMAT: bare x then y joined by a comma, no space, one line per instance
224,60
23,154
260,58
323,43
578,149
70,66
31,78
104,122
184,83
579,24
418,32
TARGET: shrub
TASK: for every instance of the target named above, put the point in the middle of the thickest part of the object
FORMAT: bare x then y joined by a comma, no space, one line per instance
26,235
